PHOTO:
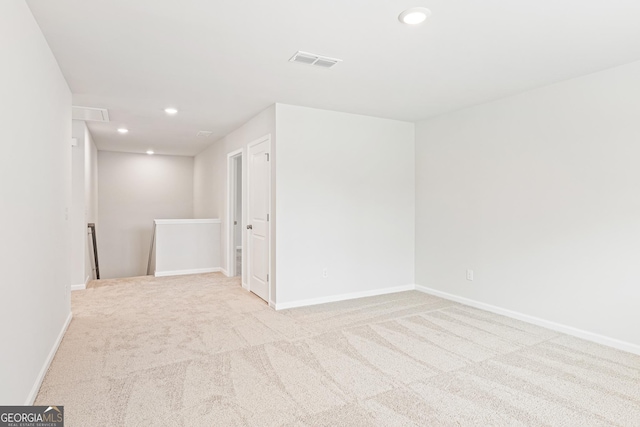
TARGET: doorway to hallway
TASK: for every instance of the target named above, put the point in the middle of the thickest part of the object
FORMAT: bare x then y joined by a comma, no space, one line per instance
235,214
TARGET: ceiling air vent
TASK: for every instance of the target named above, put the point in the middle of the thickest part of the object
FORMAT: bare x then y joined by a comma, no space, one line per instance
204,133
90,114
313,59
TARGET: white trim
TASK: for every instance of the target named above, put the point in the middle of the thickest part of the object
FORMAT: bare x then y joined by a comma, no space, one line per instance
87,280
80,287
343,297
225,272
569,330
231,204
245,286
183,272
186,221
565,329
245,253
36,386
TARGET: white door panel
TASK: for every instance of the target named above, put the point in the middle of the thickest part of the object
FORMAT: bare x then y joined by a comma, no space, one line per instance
259,174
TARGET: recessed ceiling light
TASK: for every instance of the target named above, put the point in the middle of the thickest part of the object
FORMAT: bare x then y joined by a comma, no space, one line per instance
123,130
414,15
149,152
171,111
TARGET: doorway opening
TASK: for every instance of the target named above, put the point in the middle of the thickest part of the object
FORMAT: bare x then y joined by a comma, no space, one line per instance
235,191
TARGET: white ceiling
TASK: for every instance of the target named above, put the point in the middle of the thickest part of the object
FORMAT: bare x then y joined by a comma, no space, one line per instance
222,61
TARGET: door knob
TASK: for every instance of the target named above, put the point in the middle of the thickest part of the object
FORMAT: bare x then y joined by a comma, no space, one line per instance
249,227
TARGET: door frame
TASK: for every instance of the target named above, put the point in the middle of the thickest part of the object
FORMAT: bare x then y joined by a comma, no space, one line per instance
266,138
231,203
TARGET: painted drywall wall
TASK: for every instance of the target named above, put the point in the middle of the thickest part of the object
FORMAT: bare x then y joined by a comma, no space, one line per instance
538,194
187,246
77,208
90,199
35,189
210,178
208,182
84,206
345,203
135,189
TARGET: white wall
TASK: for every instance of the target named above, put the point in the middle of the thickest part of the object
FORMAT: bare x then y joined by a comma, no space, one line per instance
84,205
538,193
90,199
210,176
134,190
77,208
186,246
35,190
209,182
345,202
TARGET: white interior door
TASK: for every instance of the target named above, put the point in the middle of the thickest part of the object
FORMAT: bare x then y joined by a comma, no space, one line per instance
259,186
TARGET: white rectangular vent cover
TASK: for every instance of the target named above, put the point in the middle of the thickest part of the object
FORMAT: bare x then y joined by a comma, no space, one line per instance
313,59
90,114
204,133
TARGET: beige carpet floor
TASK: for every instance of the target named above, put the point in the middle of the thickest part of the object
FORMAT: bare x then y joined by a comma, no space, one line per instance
200,351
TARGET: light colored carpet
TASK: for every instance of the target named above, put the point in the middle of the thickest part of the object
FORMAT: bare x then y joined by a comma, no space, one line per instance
201,351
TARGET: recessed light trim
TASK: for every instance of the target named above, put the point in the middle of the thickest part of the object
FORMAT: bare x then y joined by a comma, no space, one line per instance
123,130
150,152
171,111
414,15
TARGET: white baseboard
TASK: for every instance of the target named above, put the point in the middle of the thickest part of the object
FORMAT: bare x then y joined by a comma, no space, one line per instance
569,330
343,297
224,271
36,386
87,280
80,287
183,272
246,286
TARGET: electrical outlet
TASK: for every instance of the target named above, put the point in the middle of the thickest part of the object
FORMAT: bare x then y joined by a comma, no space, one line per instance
325,273
470,275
